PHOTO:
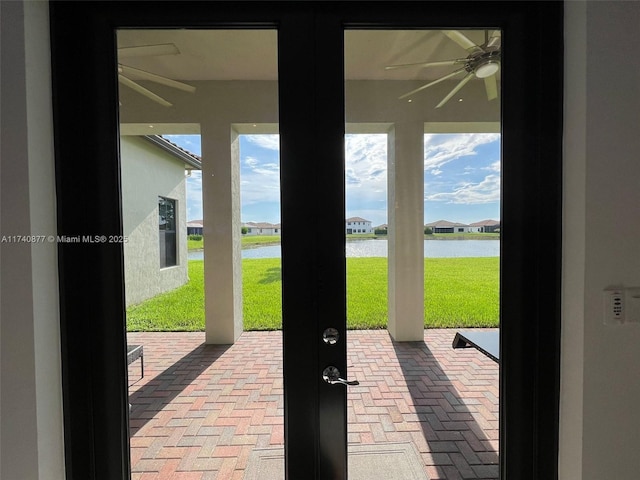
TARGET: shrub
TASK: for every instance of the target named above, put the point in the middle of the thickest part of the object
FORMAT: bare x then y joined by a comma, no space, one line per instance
428,231
244,230
197,238
380,231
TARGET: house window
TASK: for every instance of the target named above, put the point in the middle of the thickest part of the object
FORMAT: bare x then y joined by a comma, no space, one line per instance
167,232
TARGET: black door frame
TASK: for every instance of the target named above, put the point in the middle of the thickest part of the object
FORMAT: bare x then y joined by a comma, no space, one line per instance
86,144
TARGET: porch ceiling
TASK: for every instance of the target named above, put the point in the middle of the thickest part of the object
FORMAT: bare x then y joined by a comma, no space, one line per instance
235,74
223,54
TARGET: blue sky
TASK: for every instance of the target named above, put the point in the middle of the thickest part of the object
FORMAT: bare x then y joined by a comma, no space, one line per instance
461,177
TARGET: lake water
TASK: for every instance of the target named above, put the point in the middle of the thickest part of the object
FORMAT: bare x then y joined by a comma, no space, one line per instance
378,248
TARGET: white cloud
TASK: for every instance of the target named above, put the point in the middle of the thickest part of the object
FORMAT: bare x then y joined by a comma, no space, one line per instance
267,169
486,191
366,159
441,149
254,166
270,142
366,176
260,182
351,177
494,167
260,173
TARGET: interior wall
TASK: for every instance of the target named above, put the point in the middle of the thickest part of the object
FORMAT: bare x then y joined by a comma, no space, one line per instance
31,435
611,386
600,424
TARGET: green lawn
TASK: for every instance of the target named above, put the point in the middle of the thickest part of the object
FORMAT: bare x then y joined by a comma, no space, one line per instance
459,292
195,244
179,310
248,240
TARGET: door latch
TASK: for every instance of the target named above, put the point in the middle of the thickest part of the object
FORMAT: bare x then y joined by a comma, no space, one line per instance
331,375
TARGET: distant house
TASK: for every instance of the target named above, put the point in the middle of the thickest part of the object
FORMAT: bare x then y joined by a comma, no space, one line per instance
487,226
154,215
357,225
384,227
444,226
195,227
262,228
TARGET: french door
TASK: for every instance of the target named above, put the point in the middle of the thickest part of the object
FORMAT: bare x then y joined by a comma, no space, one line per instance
312,130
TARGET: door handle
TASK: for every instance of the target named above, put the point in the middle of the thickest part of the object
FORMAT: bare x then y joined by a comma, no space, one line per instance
331,375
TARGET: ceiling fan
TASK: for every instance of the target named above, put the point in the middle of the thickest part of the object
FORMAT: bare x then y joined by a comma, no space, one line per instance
149,50
482,62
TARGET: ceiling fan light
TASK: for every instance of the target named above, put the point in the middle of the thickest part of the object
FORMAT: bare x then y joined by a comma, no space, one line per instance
487,69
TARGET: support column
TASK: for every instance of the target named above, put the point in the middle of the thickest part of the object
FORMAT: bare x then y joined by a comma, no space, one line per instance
222,224
406,231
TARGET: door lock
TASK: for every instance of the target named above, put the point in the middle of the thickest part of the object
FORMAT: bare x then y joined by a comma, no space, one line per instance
330,336
331,375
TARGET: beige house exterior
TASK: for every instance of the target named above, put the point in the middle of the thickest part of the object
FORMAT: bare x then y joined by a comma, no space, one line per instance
262,228
486,226
153,168
444,226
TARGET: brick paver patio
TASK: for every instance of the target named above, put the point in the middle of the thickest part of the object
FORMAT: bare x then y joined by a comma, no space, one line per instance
201,409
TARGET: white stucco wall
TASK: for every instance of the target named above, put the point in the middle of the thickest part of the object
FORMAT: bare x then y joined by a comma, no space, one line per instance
149,172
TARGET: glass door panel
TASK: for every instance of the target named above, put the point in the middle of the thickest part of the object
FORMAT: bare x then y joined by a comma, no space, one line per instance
422,181
199,157
401,104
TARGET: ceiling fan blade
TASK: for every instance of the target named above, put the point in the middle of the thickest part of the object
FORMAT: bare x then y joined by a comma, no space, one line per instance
157,78
143,91
441,79
462,40
445,63
491,86
148,50
495,40
457,88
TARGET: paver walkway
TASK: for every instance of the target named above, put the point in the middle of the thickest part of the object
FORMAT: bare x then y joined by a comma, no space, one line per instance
201,409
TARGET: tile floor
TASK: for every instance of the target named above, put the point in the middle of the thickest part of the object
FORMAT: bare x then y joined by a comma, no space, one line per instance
200,409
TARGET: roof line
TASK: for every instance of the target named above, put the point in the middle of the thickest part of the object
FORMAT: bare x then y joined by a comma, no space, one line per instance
175,150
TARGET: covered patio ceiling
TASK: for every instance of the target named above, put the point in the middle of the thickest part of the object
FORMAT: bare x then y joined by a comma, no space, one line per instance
203,58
